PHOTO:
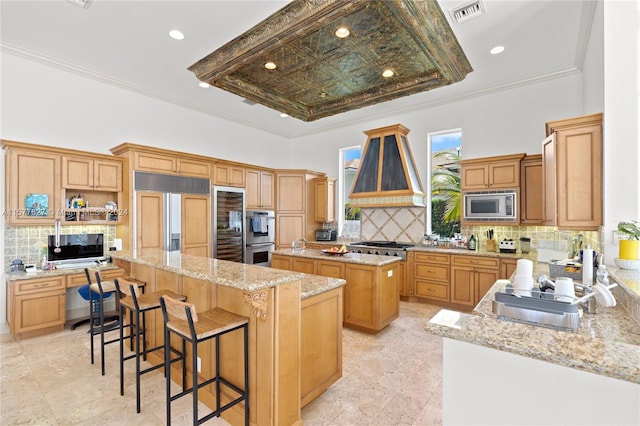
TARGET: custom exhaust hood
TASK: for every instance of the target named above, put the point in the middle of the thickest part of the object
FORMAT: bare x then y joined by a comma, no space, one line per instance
387,176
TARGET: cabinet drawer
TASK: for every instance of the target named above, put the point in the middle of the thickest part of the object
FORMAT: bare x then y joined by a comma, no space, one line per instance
76,280
432,272
432,257
485,262
37,285
431,290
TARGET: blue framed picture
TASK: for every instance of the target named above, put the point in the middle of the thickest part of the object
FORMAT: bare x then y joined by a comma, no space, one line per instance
36,205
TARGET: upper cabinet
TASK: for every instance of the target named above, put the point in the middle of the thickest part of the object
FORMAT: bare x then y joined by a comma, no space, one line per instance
531,190
89,174
33,190
229,175
325,199
259,189
157,160
481,174
572,173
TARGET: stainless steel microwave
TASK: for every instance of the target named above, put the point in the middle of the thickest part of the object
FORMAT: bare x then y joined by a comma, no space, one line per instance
491,206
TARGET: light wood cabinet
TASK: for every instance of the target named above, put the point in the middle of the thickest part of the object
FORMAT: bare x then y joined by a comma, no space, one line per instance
472,277
154,162
89,174
36,306
259,189
292,192
508,267
28,172
531,190
572,173
325,199
196,225
431,275
195,168
163,161
149,227
229,175
481,174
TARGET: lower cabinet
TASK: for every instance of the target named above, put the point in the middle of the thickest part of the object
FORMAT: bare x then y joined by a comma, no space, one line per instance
431,274
472,277
508,267
36,306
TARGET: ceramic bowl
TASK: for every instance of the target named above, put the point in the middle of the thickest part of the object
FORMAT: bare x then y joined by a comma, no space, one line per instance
627,263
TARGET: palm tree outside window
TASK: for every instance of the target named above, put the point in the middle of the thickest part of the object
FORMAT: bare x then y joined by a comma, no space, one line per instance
446,201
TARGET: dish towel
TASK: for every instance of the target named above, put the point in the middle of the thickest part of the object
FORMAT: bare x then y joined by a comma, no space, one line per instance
263,225
255,224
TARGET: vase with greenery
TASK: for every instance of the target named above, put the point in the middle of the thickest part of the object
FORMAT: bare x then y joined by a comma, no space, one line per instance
629,240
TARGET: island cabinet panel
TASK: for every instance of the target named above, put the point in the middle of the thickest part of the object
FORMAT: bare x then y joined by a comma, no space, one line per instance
360,296
330,269
321,345
308,266
279,262
36,306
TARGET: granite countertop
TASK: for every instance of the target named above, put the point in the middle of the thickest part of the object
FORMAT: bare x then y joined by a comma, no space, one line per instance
606,343
467,252
359,258
39,273
231,274
315,284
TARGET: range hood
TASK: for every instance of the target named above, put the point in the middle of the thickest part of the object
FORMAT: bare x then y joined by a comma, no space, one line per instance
387,176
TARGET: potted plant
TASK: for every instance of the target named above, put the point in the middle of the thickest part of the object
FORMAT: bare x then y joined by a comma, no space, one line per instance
629,240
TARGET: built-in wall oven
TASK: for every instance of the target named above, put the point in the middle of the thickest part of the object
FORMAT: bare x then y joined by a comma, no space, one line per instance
260,236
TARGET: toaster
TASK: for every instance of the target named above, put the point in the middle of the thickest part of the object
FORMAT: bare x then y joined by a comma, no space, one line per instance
326,235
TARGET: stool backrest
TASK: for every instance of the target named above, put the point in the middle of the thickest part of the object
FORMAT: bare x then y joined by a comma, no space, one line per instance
178,310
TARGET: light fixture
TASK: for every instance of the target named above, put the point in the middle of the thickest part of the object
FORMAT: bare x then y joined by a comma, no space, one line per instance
387,73
283,115
176,35
204,85
270,65
322,95
496,50
342,32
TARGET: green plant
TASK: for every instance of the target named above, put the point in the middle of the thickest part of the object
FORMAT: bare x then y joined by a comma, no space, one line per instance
630,229
445,185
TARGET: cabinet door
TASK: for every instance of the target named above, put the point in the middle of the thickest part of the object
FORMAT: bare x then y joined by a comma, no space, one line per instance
531,191
196,227
291,193
281,262
508,267
31,172
324,191
307,266
360,302
504,174
462,285
290,228
474,177
579,178
330,269
549,180
40,310
484,280
77,173
226,174
189,167
107,175
154,162
252,189
149,221
266,190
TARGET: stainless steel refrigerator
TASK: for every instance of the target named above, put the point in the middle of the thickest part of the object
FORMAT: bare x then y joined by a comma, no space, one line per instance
228,223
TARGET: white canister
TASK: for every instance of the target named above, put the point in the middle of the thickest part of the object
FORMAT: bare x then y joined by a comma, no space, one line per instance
524,267
587,266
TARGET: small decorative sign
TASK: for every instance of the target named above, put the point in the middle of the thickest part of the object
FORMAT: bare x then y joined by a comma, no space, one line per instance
36,204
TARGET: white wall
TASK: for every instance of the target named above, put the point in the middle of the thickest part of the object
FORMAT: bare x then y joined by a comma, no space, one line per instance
593,67
48,106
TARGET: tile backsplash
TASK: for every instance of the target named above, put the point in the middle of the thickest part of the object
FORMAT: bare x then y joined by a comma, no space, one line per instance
26,242
402,224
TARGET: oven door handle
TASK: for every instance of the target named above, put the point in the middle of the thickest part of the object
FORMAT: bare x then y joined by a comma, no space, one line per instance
260,244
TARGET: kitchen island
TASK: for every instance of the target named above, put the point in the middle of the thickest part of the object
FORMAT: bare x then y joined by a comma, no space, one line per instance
371,294
498,372
272,299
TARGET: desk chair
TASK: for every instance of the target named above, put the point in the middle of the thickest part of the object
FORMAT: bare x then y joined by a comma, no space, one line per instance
129,298
182,319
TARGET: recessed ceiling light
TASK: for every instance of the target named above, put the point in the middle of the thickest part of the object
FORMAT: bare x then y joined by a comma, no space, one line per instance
496,50
270,66
283,115
342,32
176,35
204,85
387,73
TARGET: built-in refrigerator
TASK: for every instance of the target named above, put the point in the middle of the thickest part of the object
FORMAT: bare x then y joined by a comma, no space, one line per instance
228,223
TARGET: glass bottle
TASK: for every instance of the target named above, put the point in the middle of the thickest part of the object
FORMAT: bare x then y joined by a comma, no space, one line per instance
602,275
472,243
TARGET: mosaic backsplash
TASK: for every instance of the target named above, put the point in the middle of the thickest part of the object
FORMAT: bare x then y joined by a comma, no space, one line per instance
26,242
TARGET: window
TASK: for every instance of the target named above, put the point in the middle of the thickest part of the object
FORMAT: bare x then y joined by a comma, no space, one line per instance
348,217
443,195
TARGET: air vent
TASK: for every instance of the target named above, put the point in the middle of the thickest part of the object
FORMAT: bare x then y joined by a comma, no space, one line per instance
248,102
82,3
467,11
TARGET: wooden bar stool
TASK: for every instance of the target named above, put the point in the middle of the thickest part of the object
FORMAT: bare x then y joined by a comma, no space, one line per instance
181,318
129,298
101,289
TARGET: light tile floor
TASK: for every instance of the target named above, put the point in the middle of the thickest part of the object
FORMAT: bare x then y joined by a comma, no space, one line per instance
392,378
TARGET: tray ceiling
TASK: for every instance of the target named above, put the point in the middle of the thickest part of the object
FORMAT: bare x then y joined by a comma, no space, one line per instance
317,74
